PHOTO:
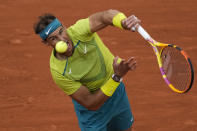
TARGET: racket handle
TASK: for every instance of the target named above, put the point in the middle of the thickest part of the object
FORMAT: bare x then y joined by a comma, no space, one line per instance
142,32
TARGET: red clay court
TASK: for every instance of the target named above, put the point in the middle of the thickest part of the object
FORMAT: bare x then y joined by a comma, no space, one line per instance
29,99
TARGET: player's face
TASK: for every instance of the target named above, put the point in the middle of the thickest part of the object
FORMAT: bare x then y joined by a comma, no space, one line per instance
60,34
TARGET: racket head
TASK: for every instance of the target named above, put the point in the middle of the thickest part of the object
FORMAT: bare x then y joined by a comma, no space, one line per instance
176,68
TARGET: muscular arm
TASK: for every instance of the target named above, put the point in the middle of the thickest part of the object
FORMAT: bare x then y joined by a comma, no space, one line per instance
100,20
89,100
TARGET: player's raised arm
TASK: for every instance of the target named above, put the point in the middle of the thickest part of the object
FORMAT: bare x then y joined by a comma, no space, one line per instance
115,18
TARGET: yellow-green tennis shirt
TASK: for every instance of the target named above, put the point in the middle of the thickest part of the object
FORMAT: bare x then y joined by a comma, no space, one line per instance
90,65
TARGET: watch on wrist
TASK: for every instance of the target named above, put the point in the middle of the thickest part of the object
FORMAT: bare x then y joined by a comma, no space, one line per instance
116,78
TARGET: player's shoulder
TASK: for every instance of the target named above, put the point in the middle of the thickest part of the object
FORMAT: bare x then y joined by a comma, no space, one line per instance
80,30
79,25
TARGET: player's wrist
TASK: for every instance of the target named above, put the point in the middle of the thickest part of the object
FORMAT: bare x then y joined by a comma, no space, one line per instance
109,87
117,20
117,78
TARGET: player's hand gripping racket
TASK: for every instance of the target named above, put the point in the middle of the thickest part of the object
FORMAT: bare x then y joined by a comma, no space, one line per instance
175,65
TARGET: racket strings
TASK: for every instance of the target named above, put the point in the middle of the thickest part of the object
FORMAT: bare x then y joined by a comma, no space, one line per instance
176,68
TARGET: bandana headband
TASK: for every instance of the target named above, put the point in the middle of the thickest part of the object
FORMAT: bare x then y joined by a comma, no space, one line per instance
50,29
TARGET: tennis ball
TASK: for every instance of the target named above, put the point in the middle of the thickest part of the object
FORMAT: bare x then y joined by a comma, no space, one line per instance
61,47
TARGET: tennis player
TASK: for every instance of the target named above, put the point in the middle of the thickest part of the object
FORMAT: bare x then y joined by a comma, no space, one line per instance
88,72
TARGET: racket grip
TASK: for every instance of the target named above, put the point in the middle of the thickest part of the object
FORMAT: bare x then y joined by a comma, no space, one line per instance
142,32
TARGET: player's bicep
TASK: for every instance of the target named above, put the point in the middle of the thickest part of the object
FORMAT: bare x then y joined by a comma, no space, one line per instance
100,20
96,22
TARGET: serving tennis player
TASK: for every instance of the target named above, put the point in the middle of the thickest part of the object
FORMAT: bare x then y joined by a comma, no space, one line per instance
88,72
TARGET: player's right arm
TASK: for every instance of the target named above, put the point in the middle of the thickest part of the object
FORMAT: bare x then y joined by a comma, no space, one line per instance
102,19
93,101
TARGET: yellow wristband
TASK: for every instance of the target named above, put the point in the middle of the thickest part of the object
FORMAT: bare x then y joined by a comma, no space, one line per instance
109,87
117,20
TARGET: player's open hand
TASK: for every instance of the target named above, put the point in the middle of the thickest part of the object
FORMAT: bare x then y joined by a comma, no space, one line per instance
131,23
124,66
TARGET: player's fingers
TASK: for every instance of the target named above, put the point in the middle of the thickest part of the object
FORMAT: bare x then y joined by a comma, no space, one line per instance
131,59
133,62
133,66
132,17
133,24
129,20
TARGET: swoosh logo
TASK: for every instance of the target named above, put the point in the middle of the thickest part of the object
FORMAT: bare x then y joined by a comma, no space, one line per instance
48,30
132,119
70,71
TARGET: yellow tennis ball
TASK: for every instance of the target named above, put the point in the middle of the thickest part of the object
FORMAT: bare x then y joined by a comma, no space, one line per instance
61,47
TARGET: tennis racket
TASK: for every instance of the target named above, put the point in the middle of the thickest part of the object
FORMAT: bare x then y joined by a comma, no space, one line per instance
174,63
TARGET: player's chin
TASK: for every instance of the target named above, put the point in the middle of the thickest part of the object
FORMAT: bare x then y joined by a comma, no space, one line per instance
69,51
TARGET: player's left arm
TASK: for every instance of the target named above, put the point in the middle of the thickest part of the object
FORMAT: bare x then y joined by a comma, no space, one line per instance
101,20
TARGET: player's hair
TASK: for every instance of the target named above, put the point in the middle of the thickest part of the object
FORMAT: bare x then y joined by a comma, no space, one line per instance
43,21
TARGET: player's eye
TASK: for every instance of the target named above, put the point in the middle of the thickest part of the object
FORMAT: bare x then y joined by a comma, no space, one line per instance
52,38
61,30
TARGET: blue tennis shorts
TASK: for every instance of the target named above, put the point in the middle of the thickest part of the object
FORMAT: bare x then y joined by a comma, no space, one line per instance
114,114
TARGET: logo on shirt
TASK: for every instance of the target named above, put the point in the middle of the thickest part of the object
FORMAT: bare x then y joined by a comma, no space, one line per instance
70,71
85,49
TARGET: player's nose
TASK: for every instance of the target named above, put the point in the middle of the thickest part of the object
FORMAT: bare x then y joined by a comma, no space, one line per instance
60,38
